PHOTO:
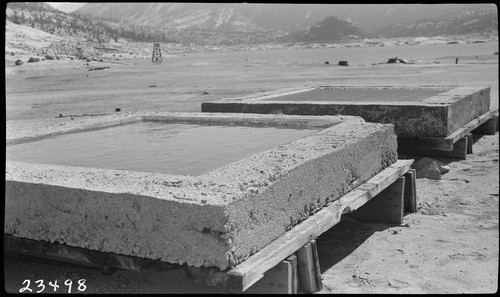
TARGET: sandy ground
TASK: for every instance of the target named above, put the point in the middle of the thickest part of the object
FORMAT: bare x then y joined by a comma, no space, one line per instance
449,246
74,87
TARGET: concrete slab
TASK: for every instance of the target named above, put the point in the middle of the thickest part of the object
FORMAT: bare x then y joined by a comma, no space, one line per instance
154,146
427,111
218,218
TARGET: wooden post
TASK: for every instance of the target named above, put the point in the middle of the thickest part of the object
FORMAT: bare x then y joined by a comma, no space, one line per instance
387,206
307,269
410,195
319,282
470,142
459,149
295,276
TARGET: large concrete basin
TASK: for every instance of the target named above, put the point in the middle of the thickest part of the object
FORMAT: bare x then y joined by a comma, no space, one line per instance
427,111
214,219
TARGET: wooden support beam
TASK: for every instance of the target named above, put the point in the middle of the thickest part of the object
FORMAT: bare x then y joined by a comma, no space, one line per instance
213,277
459,151
81,256
472,125
278,280
295,275
410,196
253,268
317,273
488,128
408,145
387,206
431,146
306,269
470,142
107,262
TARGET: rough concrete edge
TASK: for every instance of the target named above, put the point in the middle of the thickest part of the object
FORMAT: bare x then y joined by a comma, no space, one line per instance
35,130
471,109
456,94
259,187
162,186
26,131
284,92
135,222
270,94
292,121
395,114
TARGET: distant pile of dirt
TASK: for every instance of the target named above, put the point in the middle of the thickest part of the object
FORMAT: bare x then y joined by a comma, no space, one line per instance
397,60
33,59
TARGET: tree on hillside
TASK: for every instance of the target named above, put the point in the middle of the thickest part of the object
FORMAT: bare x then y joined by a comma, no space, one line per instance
15,18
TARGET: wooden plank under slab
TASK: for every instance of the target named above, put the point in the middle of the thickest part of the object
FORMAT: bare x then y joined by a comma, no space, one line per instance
82,256
253,268
108,261
472,125
410,144
388,206
459,151
489,127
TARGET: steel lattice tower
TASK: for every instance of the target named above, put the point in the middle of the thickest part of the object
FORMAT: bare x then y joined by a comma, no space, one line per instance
156,54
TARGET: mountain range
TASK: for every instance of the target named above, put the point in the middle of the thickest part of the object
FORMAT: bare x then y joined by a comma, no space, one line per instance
242,17
482,19
221,24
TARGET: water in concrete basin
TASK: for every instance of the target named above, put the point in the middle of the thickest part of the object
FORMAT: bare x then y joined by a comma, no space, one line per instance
361,95
173,148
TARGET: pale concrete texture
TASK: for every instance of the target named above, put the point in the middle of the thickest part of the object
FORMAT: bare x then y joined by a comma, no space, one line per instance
215,219
427,111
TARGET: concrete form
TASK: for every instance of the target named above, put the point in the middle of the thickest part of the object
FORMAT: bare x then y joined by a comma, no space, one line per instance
431,111
219,218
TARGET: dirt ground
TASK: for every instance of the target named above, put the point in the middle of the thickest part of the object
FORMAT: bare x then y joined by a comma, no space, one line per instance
449,246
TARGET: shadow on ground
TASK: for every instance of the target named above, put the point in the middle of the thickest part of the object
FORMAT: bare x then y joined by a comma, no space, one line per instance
344,238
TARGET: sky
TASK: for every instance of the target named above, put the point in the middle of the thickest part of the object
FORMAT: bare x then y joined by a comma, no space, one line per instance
57,4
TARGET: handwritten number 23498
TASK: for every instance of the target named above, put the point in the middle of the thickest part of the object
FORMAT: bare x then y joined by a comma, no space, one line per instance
41,286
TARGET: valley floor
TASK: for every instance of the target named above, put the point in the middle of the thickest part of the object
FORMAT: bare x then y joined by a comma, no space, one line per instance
449,246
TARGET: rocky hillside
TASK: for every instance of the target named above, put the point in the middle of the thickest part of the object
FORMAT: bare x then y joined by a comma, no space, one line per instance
331,29
42,16
483,20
